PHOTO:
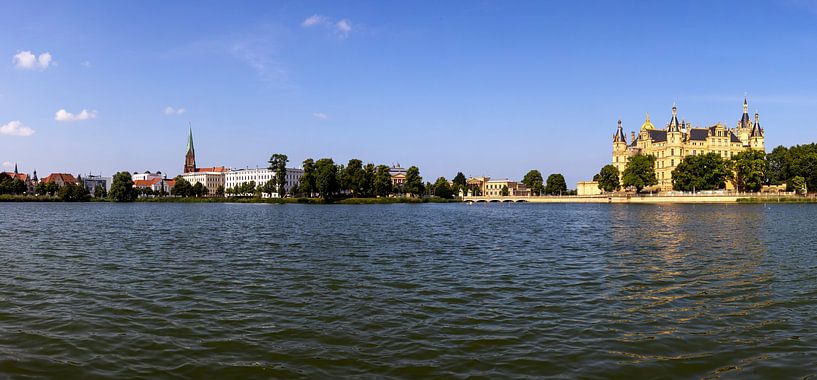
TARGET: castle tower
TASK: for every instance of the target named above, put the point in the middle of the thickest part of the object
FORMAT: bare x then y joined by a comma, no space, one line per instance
744,128
619,149
190,157
756,138
673,151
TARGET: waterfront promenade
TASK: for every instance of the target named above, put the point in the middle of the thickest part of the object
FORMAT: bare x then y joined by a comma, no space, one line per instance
640,198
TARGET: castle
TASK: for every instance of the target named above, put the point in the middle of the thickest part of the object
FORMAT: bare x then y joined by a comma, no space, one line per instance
677,140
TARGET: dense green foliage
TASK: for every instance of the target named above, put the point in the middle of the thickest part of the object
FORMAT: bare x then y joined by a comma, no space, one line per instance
640,172
326,181
74,193
278,164
122,188
797,184
797,161
414,183
442,189
749,170
353,178
556,185
459,183
307,185
181,188
504,192
701,172
608,178
9,185
534,181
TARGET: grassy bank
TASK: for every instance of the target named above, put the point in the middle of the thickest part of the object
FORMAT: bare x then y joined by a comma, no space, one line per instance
26,198
781,199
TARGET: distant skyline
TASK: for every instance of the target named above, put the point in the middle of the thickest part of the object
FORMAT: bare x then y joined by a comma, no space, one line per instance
486,87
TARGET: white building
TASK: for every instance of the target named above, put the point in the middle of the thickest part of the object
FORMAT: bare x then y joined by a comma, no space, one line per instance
261,176
211,178
146,176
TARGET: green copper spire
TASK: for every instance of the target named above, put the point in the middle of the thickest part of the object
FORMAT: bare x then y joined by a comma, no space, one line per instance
190,140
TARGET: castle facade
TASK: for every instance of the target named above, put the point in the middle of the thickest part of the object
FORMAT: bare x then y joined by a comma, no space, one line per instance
677,140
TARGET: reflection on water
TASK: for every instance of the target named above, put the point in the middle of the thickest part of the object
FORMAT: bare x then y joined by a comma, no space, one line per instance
496,290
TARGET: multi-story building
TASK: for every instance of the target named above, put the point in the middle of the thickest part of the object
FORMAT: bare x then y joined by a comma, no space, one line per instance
260,176
146,176
398,175
678,140
61,179
25,178
92,181
494,187
158,185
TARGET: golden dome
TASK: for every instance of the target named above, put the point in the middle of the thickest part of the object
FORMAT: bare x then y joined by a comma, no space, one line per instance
647,126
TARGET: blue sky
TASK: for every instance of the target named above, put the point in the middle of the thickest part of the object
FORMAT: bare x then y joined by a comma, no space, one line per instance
485,87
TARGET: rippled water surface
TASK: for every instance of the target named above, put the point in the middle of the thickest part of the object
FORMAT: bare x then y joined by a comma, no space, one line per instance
432,290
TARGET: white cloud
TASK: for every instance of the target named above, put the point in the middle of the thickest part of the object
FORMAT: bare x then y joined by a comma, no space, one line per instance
320,115
342,28
63,115
28,61
7,164
315,20
16,128
174,111
86,64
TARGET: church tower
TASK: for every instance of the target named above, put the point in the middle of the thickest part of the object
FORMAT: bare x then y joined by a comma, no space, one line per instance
619,149
190,157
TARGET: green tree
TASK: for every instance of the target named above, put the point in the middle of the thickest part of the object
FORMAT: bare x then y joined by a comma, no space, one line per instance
556,185
307,185
459,183
326,180
122,188
100,192
608,178
220,191
414,183
750,168
269,187
797,184
369,172
278,164
701,172
442,189
382,181
181,188
354,177
640,172
198,190
73,193
533,180
504,192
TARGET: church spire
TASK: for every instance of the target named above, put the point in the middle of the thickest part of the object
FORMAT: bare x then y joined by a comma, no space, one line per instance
15,169
190,156
190,140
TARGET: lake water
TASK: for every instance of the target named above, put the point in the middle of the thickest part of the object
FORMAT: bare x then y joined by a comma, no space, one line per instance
431,290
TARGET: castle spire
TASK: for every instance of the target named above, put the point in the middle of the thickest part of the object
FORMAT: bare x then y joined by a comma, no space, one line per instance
619,136
673,123
756,130
744,119
15,169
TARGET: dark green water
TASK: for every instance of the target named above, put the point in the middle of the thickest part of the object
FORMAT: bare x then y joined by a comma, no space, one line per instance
417,291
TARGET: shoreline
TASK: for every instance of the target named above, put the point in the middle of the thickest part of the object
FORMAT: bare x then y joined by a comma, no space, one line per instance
617,199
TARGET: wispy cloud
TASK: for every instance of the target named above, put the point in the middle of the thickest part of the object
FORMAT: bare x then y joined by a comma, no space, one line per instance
174,111
16,128
86,64
7,164
27,60
258,49
340,28
320,116
63,115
